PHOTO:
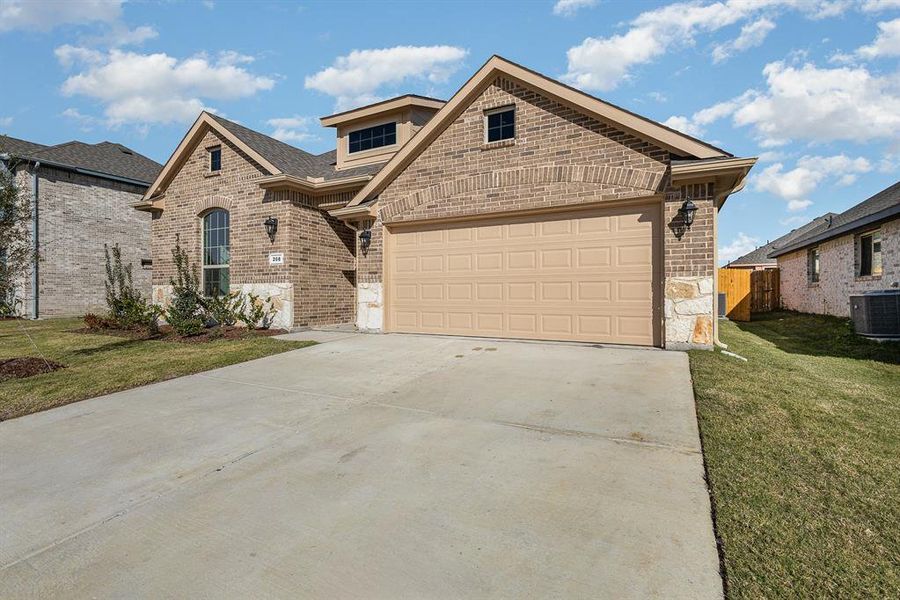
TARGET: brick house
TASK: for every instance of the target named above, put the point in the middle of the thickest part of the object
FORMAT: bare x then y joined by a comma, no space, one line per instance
83,196
852,252
760,259
519,208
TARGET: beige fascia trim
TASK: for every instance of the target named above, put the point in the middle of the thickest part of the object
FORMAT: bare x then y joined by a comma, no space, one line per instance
524,212
156,204
646,129
203,123
714,167
354,213
372,110
312,185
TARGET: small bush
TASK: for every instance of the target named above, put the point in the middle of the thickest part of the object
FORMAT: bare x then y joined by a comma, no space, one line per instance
186,313
257,314
128,309
96,322
224,310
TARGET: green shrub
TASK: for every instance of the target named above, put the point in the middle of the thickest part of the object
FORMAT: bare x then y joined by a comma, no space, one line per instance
224,310
185,313
257,314
128,309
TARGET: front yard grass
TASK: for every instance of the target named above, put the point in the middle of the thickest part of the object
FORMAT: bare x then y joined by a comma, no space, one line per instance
100,364
802,447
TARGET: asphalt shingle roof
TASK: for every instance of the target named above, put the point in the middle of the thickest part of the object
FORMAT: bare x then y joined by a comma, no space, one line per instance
760,256
292,160
17,147
106,157
859,214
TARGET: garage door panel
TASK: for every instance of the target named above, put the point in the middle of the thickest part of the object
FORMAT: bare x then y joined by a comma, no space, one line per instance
585,276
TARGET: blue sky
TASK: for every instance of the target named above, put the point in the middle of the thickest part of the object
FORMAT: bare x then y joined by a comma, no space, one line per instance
810,86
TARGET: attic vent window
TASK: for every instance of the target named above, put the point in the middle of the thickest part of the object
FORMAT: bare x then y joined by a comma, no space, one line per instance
373,137
500,124
215,159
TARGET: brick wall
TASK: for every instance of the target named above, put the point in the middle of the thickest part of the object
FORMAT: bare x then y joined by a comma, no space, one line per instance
838,264
318,250
78,214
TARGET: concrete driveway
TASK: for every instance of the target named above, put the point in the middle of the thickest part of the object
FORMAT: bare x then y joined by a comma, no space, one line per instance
369,467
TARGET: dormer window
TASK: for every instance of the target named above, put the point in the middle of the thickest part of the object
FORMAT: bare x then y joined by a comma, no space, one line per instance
373,137
500,124
215,159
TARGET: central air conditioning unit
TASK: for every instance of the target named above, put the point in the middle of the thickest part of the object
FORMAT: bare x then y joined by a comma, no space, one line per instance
876,314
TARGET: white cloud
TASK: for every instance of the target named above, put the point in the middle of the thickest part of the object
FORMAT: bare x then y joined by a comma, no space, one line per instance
603,63
658,96
880,5
68,55
696,124
812,104
887,43
6,121
819,105
798,205
158,88
568,8
291,129
44,15
799,183
752,35
739,246
355,79
770,156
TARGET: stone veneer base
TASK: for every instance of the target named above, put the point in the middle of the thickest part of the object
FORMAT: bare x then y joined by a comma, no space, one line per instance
279,295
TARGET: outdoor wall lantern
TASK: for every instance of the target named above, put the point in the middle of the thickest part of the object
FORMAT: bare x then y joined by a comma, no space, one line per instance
365,238
687,211
271,228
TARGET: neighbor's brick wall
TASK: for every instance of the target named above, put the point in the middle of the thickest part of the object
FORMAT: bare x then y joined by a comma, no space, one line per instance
838,264
318,249
78,214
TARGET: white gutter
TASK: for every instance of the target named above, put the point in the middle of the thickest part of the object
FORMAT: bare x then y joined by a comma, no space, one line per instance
35,235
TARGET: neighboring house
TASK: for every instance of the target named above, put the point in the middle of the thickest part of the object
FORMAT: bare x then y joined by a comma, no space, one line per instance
83,196
520,208
855,251
759,258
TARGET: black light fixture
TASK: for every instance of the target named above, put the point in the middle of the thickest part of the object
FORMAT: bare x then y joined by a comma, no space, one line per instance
687,211
271,228
365,238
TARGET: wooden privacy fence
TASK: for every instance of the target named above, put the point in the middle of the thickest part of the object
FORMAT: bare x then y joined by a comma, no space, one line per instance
765,290
749,291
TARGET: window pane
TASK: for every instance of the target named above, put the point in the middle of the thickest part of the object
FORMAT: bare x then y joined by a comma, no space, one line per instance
865,259
501,125
215,281
215,159
373,137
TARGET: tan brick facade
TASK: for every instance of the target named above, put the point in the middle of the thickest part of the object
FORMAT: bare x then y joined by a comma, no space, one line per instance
560,158
317,278
78,214
838,265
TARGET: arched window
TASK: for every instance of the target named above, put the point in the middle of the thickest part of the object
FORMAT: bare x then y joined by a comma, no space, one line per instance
216,252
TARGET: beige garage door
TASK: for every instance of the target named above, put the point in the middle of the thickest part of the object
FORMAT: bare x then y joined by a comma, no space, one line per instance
585,276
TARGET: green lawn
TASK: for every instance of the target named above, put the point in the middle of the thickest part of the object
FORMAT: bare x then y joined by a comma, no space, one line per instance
802,445
99,364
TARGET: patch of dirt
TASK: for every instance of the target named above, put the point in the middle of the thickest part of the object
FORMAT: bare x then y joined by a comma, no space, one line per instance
26,366
167,334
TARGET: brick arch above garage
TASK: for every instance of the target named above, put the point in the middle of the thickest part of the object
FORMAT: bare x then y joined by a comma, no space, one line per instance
471,194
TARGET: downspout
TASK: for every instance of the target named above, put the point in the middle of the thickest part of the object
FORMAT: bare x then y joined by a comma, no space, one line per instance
716,341
35,233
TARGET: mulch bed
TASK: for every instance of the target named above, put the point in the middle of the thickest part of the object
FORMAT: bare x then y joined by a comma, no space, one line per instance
166,334
26,366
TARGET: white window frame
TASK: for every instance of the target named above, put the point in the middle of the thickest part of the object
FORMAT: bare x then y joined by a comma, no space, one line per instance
203,266
871,234
810,272
377,148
